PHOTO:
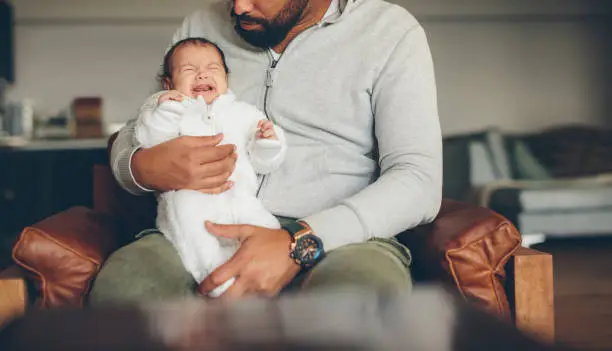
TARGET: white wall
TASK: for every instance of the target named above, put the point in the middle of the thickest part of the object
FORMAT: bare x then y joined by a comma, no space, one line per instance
118,62
518,65
113,49
521,76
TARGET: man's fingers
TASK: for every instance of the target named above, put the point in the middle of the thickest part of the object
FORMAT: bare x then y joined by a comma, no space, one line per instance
209,155
204,141
216,168
222,274
210,182
209,167
237,290
230,231
218,190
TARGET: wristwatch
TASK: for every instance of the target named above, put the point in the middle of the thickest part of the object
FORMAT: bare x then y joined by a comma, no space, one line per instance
306,249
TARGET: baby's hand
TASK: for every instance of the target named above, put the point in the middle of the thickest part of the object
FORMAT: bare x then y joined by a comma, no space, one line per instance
173,95
265,130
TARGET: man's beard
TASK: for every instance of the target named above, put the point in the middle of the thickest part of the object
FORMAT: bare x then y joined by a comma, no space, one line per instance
274,31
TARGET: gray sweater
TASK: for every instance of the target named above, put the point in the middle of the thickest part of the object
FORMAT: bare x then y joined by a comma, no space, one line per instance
356,96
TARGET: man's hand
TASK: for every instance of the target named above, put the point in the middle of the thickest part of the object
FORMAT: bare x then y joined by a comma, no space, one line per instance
262,265
186,162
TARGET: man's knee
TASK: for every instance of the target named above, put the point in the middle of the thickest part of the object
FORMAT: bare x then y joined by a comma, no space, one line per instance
379,264
148,269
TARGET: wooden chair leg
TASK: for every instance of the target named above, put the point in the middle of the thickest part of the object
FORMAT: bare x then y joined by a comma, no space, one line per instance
13,294
531,294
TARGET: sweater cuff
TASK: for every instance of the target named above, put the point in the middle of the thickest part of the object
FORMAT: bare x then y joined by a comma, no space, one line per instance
337,226
125,177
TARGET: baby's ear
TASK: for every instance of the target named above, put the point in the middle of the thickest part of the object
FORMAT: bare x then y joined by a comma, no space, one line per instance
167,83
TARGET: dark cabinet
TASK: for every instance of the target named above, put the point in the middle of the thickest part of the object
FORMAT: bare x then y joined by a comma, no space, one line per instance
35,184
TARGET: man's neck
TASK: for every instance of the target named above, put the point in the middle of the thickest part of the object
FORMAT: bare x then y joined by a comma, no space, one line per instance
312,15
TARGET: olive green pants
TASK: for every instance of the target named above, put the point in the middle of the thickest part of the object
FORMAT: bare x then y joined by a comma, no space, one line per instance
150,269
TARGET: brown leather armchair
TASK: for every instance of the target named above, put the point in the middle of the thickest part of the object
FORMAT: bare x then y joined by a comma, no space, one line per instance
471,248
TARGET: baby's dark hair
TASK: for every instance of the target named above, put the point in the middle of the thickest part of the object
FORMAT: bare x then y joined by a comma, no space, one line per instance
166,72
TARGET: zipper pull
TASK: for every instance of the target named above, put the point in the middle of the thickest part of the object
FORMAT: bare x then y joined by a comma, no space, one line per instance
269,71
269,79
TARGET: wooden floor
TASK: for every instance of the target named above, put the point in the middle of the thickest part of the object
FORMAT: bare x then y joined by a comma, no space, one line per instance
583,291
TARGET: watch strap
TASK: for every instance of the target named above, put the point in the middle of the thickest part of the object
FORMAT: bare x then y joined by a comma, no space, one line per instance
297,228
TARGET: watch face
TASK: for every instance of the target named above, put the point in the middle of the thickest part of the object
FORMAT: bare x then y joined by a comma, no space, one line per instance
307,249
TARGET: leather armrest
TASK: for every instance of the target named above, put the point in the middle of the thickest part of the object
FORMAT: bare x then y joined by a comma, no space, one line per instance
64,252
467,246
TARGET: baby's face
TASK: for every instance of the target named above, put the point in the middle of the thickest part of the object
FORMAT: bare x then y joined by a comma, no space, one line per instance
197,70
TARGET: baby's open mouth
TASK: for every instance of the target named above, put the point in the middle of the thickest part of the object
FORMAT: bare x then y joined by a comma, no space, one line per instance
204,89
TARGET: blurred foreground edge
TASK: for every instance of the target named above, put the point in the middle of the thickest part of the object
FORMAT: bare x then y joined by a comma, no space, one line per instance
427,319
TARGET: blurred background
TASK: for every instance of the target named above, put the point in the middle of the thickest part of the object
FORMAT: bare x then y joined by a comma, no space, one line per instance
518,65
525,98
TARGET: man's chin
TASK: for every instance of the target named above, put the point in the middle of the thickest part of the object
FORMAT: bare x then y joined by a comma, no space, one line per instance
260,38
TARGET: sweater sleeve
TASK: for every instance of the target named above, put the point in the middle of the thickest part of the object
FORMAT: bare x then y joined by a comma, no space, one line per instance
408,192
124,147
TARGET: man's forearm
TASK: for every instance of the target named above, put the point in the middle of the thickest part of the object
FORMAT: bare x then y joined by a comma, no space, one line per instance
122,151
392,204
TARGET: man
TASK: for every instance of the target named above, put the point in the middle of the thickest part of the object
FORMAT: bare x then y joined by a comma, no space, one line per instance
352,84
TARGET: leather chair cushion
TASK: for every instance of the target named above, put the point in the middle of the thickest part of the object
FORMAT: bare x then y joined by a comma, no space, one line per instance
63,253
469,247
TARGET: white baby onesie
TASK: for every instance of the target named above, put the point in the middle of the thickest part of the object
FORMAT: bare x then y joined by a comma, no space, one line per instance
181,214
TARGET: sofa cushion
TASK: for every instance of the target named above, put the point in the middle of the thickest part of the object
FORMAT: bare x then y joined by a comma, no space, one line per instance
556,207
64,252
573,150
469,247
526,165
587,222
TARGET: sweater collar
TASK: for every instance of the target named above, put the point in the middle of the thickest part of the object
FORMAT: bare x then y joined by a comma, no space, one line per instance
344,6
